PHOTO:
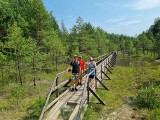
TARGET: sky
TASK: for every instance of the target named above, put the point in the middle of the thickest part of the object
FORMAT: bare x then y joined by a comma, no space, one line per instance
128,17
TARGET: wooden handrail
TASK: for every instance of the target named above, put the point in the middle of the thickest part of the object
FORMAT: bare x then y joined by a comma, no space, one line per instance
86,82
99,61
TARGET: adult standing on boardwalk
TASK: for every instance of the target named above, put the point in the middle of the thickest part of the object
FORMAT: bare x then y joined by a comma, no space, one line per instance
82,66
91,67
75,73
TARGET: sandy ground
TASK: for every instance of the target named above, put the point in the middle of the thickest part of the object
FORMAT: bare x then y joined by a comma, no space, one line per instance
124,113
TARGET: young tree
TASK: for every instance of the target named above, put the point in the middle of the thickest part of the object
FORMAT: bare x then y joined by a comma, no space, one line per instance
64,36
19,46
155,30
3,59
52,46
128,46
137,45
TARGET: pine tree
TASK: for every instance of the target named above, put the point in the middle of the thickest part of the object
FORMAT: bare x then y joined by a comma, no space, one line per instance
19,46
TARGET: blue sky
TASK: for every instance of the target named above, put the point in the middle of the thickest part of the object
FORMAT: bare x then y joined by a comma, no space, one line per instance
128,17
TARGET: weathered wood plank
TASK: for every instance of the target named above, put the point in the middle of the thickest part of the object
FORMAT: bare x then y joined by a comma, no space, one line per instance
74,113
54,101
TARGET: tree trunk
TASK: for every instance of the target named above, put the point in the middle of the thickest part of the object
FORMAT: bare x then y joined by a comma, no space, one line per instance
123,53
34,72
2,78
19,72
136,51
18,68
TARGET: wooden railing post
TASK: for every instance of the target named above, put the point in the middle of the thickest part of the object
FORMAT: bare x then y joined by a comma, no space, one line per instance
88,92
57,91
101,72
105,64
95,81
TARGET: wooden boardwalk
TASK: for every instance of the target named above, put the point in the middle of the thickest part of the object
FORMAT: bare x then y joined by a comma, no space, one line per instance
71,103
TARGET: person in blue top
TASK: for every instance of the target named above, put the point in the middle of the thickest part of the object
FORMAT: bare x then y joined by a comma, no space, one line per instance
91,67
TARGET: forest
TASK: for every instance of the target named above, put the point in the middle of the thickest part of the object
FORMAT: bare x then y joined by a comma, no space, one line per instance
31,41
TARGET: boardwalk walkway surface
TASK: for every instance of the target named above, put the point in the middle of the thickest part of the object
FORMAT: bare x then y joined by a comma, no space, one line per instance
69,104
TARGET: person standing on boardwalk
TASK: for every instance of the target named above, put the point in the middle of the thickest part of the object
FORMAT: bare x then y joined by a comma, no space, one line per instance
75,73
82,66
91,67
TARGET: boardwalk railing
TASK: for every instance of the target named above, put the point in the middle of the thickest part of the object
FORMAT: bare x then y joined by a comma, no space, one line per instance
55,88
104,64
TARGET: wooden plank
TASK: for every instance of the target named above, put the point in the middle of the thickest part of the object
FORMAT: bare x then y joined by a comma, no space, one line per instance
55,111
52,112
75,97
47,99
54,101
74,113
49,94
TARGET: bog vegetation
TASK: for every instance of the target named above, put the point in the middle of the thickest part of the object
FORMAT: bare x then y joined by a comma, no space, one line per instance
32,44
135,83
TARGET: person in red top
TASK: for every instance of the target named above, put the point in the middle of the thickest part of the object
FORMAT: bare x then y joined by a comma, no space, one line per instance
82,66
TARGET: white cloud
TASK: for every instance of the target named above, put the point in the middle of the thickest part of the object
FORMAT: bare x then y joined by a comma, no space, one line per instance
128,23
144,4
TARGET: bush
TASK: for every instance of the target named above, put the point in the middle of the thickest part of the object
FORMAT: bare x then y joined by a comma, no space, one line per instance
18,92
148,97
34,110
155,115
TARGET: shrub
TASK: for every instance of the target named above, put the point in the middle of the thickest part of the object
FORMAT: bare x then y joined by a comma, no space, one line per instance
35,109
148,97
155,114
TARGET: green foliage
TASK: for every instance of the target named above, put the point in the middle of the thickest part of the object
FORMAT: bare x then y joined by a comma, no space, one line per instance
35,109
31,40
155,114
148,97
154,32
17,95
128,77
17,42
18,92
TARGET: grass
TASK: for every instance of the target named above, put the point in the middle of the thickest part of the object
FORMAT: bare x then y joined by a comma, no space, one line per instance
127,80
26,102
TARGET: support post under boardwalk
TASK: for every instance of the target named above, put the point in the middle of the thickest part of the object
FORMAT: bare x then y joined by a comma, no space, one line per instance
88,92
101,70
113,61
109,66
57,91
108,69
67,83
101,83
106,75
96,81
99,99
